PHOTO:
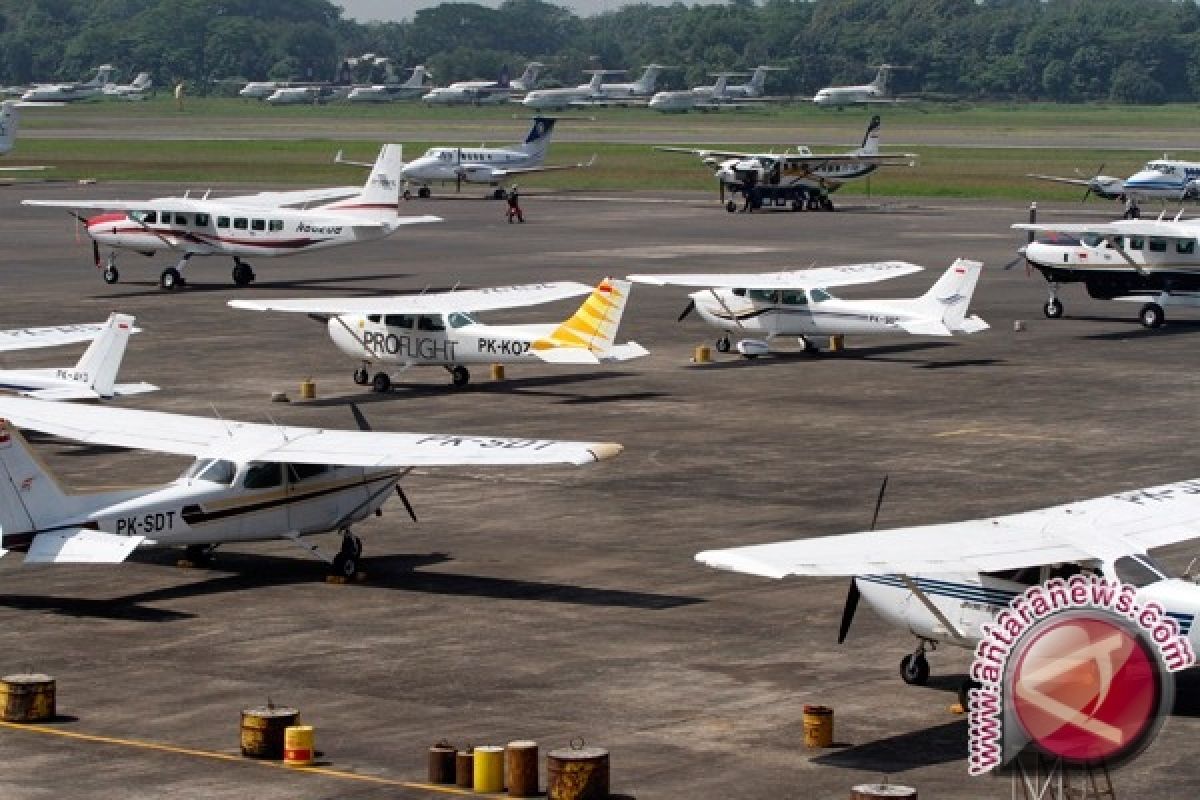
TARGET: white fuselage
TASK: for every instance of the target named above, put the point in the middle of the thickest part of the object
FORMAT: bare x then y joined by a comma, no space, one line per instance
383,93
1168,180
472,164
293,95
434,339
1131,253
849,95
62,93
468,92
827,178
258,90
797,312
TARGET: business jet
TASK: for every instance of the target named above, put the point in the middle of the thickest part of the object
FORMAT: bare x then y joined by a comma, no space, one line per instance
249,482
1149,261
797,303
943,583
721,95
596,92
10,119
92,378
877,91
438,330
139,89
558,99
387,92
71,92
801,176
483,92
1167,180
268,224
492,166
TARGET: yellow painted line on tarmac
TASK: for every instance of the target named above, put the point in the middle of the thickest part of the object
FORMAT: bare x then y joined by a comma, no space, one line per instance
984,432
218,756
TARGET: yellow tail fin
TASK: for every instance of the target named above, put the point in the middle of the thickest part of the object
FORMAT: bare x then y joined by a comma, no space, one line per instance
594,325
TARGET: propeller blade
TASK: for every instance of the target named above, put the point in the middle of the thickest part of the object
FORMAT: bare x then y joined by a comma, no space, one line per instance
1016,259
689,308
879,502
848,610
407,505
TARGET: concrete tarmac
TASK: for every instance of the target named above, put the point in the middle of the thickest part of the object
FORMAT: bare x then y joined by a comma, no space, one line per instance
552,603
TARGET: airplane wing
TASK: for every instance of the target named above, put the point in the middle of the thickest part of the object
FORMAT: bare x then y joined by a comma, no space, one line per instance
297,198
544,168
817,160
30,338
1056,179
206,437
1138,227
1101,528
815,278
177,203
24,169
706,153
490,299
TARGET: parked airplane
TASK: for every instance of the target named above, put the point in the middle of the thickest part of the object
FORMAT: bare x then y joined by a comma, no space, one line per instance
250,482
796,303
809,178
386,92
70,92
942,583
1153,262
438,329
482,92
718,96
93,378
558,99
139,89
268,224
1167,179
488,165
9,121
877,91
596,92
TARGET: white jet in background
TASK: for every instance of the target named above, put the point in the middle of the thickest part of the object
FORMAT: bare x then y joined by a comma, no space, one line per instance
438,330
250,482
387,92
766,305
92,378
70,92
139,89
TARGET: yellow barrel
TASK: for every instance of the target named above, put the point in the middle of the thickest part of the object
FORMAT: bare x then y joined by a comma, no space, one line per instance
521,764
263,730
577,773
497,372
308,389
818,726
703,355
837,343
489,769
299,745
27,698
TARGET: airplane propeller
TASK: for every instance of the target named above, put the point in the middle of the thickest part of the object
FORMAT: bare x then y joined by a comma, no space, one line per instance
363,425
853,594
1092,182
689,308
1029,237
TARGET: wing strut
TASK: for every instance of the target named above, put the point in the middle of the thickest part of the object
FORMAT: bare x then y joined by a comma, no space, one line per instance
932,609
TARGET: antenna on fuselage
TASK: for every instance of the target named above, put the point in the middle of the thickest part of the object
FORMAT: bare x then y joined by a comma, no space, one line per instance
282,430
217,414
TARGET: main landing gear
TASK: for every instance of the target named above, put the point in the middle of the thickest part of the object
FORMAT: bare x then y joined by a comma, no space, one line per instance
460,376
345,563
914,667
198,555
1152,315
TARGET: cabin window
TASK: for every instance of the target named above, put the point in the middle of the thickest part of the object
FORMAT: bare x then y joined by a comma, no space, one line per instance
1137,570
459,320
222,222
818,295
181,219
302,472
1185,246
761,295
263,476
374,318
739,292
430,322
1158,245
276,225
793,297
1026,576
144,217
213,470
202,220
240,223
1137,242
398,320
165,216
258,225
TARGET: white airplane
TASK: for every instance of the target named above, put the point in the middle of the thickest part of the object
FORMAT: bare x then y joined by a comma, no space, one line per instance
596,92
268,224
1152,262
93,378
1168,180
801,177
795,303
438,329
487,165
386,92
250,482
9,121
558,99
720,95
483,92
877,91
139,89
941,583
70,92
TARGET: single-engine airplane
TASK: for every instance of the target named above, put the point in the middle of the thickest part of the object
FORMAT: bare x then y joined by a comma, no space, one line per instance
268,224
795,303
438,330
92,378
942,583
250,482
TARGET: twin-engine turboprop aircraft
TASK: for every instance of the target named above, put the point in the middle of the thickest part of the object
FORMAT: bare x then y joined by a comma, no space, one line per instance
268,224
93,378
249,482
795,303
438,329
942,583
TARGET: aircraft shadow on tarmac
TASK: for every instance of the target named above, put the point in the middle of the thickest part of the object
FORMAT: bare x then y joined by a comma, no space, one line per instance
1175,327
533,386
927,747
888,353
330,281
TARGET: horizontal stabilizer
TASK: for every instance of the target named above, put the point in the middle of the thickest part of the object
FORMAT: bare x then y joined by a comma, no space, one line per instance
122,389
973,324
81,546
925,327
80,392
567,355
624,352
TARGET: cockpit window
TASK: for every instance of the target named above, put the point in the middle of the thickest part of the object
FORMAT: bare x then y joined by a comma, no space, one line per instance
145,217
430,322
213,470
1091,239
1136,242
263,476
398,320
302,472
459,320
1027,576
792,297
761,295
1137,570
1060,239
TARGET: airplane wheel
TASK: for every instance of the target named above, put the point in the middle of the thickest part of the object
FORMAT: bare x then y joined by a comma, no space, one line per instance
460,376
723,344
1053,309
111,275
381,382
345,564
243,275
826,204
170,278
1152,315
424,193
730,206
361,377
352,546
199,554
914,669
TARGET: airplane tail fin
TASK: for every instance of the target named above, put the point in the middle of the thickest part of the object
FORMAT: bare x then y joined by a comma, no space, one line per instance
9,117
758,81
589,335
537,141
950,297
142,81
417,79
103,76
95,376
381,192
870,142
529,77
882,78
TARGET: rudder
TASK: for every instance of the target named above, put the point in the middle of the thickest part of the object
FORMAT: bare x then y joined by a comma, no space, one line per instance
102,360
30,497
594,325
951,295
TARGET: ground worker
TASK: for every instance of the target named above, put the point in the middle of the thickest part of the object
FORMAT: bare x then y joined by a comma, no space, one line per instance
514,205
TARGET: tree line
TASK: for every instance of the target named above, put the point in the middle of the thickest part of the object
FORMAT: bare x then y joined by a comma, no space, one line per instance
1060,50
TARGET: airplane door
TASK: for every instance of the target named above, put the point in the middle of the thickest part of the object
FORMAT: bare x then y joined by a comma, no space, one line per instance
793,317
262,503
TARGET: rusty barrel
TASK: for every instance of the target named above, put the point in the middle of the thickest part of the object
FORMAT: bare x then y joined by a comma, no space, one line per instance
263,730
818,726
464,769
28,697
441,763
577,773
882,791
521,765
